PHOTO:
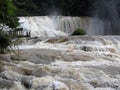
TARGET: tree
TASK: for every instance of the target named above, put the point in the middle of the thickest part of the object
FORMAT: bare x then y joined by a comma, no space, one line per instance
27,7
48,7
79,31
5,42
7,14
7,18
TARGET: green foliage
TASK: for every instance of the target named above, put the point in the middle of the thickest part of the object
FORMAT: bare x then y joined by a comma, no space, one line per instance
6,8
7,18
27,7
7,13
48,7
12,22
5,42
79,32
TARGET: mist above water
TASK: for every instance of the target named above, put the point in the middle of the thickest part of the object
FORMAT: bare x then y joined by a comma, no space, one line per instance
107,10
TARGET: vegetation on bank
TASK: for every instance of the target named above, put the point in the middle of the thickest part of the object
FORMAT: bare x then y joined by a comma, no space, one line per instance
66,7
5,42
7,18
79,31
53,7
7,14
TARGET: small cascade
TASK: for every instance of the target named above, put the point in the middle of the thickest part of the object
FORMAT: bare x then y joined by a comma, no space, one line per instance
40,26
90,25
100,44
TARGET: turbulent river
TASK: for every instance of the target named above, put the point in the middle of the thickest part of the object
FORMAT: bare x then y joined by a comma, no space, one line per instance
52,59
63,63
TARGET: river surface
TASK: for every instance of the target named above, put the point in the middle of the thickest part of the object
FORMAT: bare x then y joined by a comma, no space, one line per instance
63,63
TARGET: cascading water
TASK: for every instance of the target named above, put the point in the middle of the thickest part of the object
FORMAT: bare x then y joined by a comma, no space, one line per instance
52,26
40,26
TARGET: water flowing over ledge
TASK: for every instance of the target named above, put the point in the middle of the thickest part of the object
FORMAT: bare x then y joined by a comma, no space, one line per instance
52,26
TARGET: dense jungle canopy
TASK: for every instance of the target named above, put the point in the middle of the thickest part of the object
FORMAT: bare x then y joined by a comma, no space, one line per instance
64,7
47,7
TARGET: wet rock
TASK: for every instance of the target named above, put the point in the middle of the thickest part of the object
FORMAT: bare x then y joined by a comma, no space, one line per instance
27,82
57,40
87,49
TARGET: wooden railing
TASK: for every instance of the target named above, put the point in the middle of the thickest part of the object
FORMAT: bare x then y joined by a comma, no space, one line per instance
18,32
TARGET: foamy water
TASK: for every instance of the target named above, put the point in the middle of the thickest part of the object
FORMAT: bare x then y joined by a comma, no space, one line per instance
52,26
77,63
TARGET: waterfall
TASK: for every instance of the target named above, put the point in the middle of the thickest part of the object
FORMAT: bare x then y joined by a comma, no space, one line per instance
51,26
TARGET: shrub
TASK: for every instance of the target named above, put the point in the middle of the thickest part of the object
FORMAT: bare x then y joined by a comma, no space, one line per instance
79,32
5,42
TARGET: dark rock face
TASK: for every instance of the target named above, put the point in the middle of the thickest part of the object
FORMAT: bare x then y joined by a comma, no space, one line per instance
26,82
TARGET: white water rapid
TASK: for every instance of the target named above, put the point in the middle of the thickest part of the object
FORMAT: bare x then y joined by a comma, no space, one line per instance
52,26
64,63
